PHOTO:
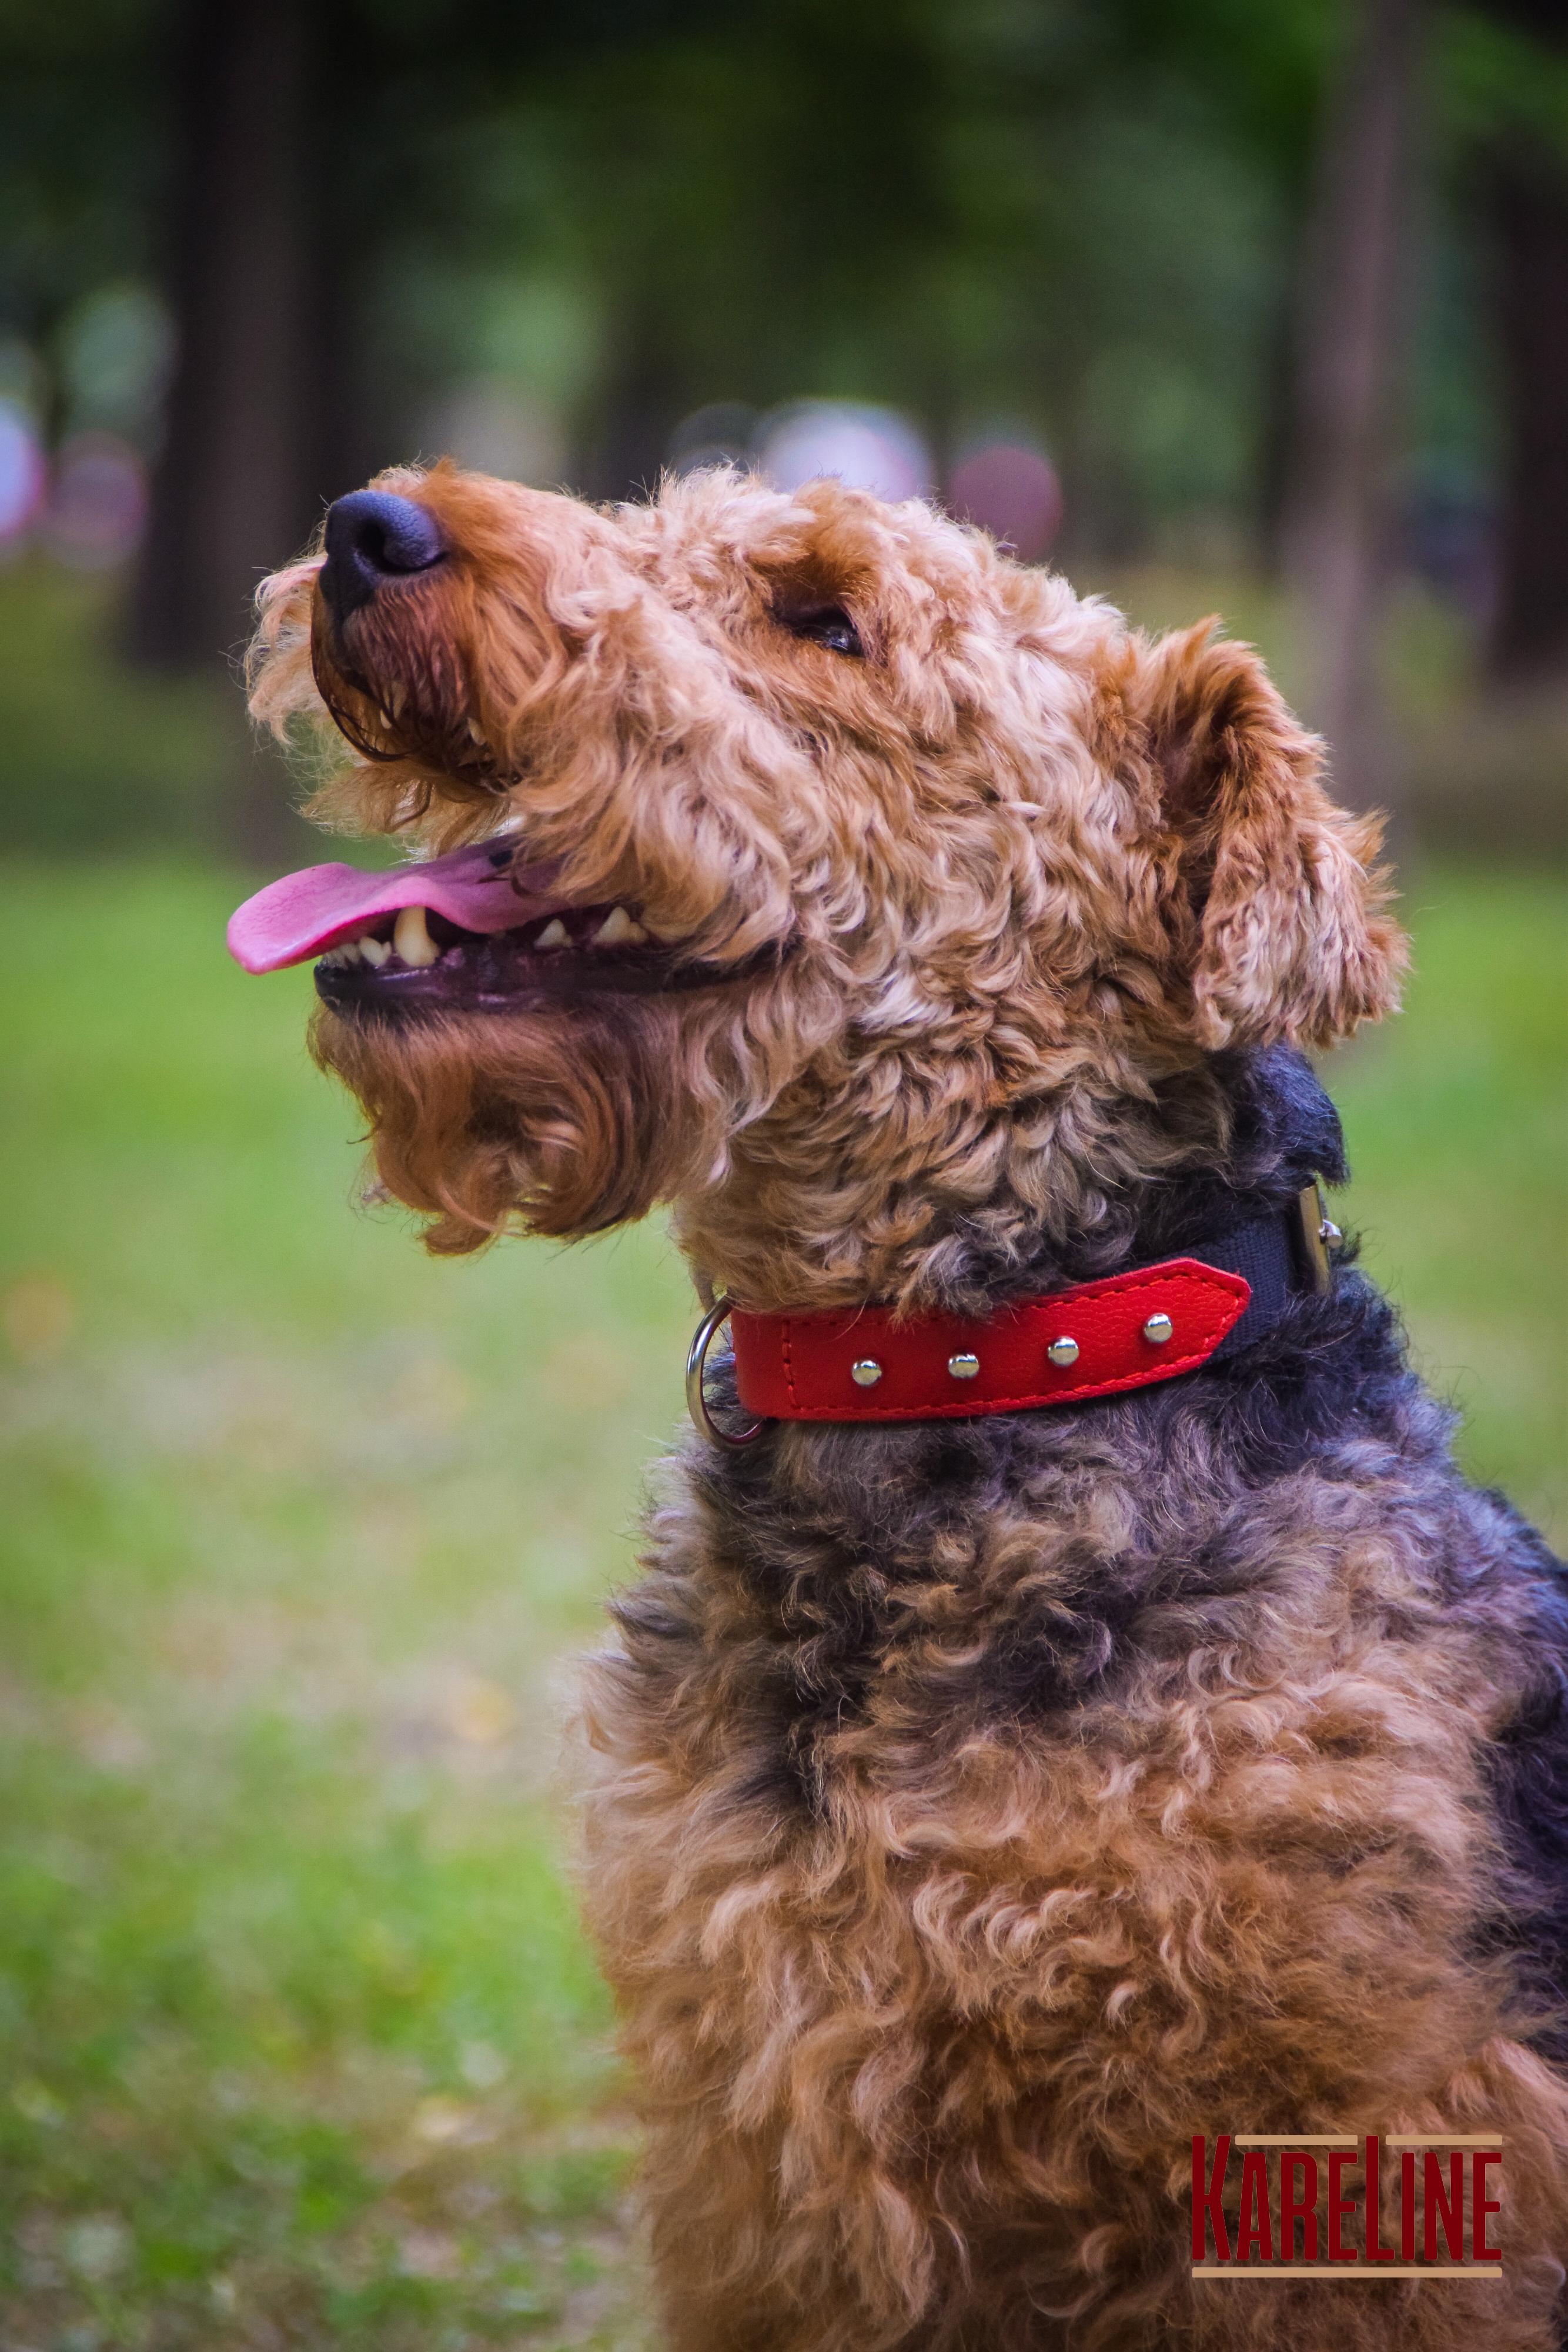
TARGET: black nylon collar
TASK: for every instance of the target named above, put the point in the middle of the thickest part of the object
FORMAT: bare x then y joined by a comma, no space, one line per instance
1280,1255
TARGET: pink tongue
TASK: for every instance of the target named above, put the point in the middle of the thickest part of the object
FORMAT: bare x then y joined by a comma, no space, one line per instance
304,914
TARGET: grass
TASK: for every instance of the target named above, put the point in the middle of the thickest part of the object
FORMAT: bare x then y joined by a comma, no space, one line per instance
93,753
300,2044
1457,1118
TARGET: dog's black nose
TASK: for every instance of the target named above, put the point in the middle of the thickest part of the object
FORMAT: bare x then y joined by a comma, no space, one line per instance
373,536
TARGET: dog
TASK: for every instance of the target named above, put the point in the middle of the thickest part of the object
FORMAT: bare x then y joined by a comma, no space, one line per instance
993,1785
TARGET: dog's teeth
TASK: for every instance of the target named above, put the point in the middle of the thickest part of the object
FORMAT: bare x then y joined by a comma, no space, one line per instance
348,952
375,951
554,934
411,938
618,930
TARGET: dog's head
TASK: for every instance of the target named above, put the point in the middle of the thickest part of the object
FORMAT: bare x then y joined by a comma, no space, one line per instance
799,858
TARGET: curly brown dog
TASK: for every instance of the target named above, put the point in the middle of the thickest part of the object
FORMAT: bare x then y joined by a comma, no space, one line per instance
990,1791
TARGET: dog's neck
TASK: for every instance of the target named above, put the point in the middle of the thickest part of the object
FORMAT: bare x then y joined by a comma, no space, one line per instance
1142,1177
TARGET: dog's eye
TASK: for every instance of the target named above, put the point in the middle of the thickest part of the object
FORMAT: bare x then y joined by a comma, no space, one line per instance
830,625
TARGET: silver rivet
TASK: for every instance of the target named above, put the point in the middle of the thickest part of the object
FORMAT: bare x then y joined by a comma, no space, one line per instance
1158,1330
964,1368
1330,1235
866,1373
1063,1352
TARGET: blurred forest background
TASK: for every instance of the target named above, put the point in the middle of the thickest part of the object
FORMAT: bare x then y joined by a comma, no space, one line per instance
1277,298
1254,308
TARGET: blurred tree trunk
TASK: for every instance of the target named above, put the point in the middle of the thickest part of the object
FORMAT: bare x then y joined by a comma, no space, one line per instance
1528,206
641,408
257,401
1338,530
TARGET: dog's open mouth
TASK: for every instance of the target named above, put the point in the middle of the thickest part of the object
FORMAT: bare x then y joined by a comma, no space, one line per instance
474,930
420,957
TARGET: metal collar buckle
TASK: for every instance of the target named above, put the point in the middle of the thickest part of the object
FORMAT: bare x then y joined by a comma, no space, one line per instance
1320,1235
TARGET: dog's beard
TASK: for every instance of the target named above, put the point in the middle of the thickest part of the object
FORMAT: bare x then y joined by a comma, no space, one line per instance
564,1121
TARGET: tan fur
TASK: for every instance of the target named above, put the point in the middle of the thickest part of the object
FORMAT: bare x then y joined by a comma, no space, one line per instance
922,2058
929,2066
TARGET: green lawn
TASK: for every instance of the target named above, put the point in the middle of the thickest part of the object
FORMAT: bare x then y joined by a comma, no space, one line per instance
300,2044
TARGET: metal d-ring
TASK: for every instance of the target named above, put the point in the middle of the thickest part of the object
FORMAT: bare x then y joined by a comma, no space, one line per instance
697,1362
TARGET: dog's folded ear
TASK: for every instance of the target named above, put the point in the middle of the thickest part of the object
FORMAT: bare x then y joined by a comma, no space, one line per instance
1267,893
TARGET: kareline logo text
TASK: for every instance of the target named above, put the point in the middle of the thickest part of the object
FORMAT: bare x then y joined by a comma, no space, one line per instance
1329,2205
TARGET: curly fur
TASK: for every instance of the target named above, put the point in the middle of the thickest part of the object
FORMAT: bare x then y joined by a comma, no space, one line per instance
978,1810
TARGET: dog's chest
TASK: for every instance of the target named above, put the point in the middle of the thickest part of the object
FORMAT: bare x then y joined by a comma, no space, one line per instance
1061,1806
1052,1706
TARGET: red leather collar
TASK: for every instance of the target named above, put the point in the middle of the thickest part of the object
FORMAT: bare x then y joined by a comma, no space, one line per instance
942,1367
